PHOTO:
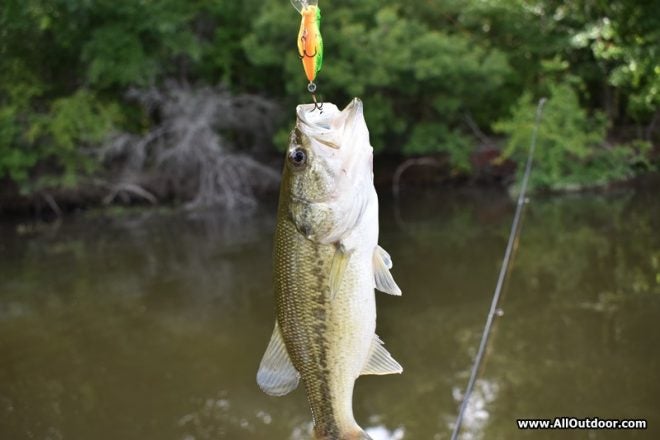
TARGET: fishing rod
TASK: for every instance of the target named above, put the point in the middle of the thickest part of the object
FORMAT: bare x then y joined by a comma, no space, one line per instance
513,236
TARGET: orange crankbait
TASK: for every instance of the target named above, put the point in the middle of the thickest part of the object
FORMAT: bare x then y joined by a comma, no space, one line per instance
310,42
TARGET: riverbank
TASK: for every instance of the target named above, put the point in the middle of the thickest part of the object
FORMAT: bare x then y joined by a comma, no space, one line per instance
390,173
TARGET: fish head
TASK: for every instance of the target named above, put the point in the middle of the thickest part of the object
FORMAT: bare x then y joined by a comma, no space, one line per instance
328,175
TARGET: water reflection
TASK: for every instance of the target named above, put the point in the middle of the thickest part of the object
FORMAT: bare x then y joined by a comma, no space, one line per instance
476,413
382,433
151,325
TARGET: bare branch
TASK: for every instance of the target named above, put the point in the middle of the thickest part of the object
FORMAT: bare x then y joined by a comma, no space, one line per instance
131,189
422,161
469,120
188,153
52,204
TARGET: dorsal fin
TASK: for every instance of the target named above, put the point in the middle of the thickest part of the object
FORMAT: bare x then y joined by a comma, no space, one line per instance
383,278
380,360
276,375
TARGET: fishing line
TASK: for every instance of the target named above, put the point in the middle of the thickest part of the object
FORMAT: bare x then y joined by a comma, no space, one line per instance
513,234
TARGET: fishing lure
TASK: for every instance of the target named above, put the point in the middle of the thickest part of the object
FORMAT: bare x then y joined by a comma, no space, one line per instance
310,42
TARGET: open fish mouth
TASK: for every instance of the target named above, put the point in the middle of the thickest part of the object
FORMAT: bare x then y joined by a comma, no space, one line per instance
329,126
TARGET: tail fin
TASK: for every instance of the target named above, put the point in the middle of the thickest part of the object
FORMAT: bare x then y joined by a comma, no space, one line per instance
356,434
364,436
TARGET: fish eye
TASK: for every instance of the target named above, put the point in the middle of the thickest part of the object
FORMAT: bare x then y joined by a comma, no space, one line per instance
298,157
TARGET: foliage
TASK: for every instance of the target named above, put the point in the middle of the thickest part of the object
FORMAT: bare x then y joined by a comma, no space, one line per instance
73,126
431,74
63,133
623,37
14,104
571,149
65,67
416,79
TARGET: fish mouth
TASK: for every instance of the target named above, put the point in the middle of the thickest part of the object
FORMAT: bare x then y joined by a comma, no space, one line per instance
329,126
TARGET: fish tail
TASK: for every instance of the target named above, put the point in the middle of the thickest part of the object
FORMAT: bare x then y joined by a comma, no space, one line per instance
355,434
362,436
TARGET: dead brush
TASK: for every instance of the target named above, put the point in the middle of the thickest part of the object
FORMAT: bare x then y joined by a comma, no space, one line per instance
187,155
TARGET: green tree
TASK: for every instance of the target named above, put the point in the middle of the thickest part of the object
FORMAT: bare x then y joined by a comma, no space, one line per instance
572,152
624,39
417,80
65,67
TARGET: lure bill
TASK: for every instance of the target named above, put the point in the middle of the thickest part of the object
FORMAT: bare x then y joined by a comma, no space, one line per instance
310,42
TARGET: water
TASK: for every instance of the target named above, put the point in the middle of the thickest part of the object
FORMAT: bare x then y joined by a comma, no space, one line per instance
148,325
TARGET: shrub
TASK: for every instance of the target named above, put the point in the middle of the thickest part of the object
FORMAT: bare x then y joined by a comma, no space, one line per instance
572,151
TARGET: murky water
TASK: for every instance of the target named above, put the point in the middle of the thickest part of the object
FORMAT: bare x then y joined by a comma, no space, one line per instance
152,325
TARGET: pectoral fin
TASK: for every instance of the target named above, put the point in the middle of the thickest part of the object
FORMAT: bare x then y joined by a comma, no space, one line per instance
382,265
380,360
276,375
339,263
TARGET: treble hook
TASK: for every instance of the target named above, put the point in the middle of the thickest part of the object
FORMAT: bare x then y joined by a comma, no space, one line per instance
303,40
316,104
305,55
311,88
304,51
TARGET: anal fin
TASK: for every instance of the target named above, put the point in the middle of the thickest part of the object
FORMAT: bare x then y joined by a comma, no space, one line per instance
380,360
277,375
383,278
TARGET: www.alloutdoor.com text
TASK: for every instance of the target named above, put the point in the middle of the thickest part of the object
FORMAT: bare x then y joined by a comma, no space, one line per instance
581,423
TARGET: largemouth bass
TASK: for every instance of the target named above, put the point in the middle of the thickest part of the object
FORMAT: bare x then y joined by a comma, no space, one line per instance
326,264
